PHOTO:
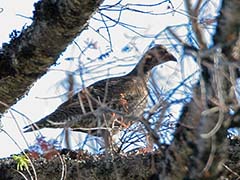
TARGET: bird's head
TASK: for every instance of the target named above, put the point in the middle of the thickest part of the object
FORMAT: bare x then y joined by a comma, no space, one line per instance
153,57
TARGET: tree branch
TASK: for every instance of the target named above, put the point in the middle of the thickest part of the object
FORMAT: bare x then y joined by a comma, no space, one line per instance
28,56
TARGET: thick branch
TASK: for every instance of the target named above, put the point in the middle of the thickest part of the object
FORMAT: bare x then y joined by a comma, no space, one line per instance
227,32
78,165
189,156
28,56
202,134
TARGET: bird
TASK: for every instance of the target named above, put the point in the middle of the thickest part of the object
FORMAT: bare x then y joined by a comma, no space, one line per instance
107,104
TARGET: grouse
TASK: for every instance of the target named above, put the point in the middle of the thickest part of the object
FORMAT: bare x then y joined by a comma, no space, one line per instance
108,103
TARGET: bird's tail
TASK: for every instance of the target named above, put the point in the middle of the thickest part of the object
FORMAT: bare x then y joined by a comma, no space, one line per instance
30,128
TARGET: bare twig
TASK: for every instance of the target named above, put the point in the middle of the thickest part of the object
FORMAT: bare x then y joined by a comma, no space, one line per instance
230,170
194,12
23,175
34,171
64,167
211,155
16,122
220,94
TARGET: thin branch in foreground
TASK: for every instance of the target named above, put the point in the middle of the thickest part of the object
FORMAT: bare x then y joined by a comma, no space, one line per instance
30,161
230,170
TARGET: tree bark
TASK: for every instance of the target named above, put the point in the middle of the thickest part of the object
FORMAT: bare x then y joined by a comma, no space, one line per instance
86,166
194,154
201,139
28,55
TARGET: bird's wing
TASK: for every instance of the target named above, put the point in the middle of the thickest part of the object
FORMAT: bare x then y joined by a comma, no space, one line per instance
126,94
84,104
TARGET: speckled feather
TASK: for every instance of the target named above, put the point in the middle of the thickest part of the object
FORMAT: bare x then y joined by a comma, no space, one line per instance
107,100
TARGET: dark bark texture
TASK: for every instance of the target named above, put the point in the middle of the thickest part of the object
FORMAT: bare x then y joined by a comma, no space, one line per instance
28,56
79,165
199,150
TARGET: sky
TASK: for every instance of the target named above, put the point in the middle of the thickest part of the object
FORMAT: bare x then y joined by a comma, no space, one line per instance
47,92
